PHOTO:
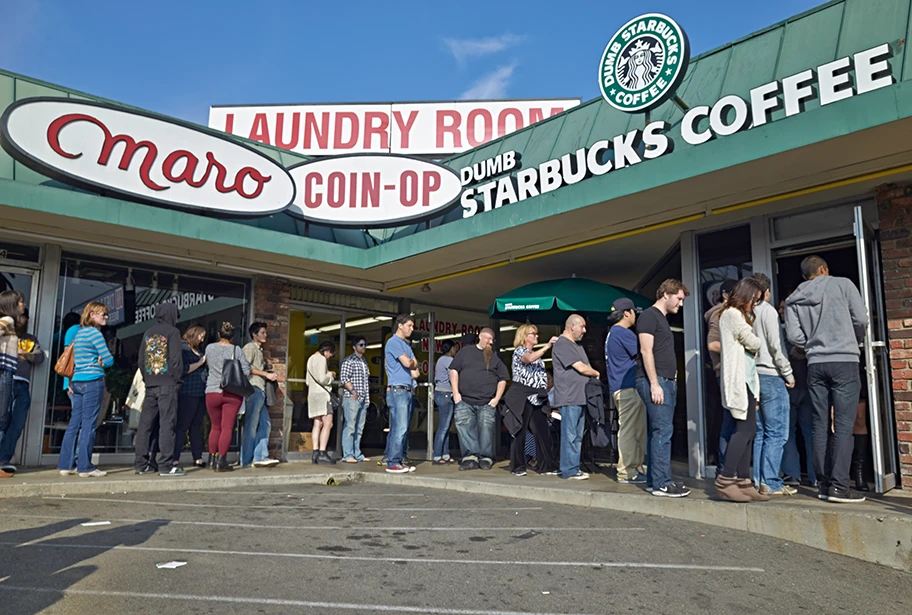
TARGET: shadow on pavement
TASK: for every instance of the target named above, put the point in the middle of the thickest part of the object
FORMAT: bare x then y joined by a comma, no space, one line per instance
40,574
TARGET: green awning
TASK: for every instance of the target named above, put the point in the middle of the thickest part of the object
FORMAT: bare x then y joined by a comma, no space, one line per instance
551,301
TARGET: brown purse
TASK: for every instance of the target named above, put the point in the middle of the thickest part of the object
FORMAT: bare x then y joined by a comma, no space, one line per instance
66,364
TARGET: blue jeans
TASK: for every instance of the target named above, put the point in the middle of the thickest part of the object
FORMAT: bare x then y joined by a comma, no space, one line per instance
772,431
835,385
22,399
354,413
400,405
659,429
573,422
801,415
443,401
6,400
255,438
87,398
475,426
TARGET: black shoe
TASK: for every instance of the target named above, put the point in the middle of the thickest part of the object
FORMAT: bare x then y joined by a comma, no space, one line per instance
223,465
844,496
791,481
469,464
859,454
315,458
324,458
823,490
213,461
146,470
485,464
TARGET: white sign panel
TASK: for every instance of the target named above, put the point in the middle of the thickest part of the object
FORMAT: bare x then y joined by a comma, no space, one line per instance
144,158
372,190
438,128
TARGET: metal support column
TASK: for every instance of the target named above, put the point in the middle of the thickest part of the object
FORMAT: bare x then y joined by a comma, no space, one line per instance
693,359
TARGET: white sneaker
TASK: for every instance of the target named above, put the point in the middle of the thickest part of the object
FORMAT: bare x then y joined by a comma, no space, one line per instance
580,476
8,467
96,473
67,472
266,463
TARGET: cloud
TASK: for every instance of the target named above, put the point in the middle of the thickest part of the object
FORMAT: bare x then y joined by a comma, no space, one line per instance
492,85
465,48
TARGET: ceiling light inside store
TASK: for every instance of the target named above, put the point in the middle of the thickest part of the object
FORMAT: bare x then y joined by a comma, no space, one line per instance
373,347
349,325
508,328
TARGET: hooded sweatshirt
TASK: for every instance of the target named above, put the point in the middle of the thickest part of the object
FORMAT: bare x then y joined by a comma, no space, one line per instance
160,358
826,317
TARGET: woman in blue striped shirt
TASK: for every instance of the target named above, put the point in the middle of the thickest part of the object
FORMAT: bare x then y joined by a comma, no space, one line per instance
87,386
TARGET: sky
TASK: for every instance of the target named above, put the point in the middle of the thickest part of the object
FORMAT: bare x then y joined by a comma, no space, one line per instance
178,57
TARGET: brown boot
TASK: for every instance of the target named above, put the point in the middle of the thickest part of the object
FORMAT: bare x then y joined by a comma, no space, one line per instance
728,489
747,487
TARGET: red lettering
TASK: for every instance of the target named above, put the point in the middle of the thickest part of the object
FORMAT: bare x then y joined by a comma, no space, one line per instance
406,128
517,116
189,168
258,178
408,194
311,129
487,120
280,130
381,130
352,118
370,189
430,183
335,190
448,123
312,198
229,123
260,129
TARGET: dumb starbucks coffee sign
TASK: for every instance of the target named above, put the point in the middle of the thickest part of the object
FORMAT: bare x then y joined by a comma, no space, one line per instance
643,63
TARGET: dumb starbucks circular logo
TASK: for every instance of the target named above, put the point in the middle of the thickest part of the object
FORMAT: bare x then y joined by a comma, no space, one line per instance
643,63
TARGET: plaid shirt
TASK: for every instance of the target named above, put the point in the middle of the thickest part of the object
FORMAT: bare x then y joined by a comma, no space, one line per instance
355,370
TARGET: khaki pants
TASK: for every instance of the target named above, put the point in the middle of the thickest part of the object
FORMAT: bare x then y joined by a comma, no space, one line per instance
631,433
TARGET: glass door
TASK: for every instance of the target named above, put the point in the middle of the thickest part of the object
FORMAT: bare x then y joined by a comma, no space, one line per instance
876,357
426,351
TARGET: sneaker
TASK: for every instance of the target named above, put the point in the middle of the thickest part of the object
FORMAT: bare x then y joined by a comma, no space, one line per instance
823,492
96,473
784,490
8,467
844,496
791,481
67,472
672,490
146,470
518,473
579,476
485,464
399,469
173,472
266,463
551,473
469,464
639,479
649,489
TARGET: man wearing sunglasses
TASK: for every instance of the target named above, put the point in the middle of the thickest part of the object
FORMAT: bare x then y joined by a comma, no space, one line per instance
355,377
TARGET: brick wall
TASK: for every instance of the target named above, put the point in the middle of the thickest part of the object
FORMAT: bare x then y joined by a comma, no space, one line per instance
270,305
894,203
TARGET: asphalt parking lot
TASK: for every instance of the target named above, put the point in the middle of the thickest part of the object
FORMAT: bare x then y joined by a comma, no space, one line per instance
369,548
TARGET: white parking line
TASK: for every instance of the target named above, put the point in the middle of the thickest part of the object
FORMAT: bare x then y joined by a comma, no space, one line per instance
280,507
356,528
310,495
346,606
413,560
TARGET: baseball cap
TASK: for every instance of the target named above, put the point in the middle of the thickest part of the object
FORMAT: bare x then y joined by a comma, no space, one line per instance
622,305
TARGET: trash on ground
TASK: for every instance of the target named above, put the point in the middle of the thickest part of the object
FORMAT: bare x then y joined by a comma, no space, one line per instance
171,565
94,523
546,593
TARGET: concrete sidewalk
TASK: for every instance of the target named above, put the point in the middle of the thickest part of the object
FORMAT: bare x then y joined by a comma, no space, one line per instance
878,530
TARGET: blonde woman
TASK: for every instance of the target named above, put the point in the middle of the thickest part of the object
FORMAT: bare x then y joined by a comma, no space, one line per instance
740,389
91,356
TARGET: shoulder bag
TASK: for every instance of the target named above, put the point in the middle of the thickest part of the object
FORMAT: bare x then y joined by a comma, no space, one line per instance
234,380
334,398
66,363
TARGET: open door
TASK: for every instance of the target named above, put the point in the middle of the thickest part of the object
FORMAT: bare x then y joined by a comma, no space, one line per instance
876,357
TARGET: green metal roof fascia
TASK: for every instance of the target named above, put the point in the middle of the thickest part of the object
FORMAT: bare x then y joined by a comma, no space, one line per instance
71,92
106,210
821,124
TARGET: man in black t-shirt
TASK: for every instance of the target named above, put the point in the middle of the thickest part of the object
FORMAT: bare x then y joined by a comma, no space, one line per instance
657,385
478,378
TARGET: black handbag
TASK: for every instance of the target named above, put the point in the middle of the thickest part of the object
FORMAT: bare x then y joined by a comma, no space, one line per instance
272,389
234,380
334,399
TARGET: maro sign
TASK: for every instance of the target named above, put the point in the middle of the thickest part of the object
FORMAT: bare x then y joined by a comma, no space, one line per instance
144,158
370,190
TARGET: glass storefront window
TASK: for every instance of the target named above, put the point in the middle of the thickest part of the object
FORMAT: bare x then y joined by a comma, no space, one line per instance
131,293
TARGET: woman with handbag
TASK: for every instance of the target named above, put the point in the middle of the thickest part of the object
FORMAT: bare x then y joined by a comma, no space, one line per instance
87,386
319,400
191,400
224,394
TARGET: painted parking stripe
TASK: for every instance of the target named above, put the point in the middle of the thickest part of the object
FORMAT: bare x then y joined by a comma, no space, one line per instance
341,606
351,528
249,506
310,495
413,560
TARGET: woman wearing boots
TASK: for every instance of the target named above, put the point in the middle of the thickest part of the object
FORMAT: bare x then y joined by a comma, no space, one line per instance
319,405
860,432
222,406
740,389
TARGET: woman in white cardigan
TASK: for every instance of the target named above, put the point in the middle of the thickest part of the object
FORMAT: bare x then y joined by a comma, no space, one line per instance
740,389
319,407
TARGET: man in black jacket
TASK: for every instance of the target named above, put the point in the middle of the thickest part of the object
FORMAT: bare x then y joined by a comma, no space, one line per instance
162,366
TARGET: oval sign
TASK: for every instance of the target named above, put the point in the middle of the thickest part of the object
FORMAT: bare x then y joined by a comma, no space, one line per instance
372,190
143,158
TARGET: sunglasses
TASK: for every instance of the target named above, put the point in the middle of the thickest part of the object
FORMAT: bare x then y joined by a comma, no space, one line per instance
360,345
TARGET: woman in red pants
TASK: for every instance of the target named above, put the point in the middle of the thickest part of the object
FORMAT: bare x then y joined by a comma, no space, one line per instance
222,406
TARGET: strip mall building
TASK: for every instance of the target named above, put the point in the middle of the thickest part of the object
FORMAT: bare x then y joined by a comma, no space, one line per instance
791,141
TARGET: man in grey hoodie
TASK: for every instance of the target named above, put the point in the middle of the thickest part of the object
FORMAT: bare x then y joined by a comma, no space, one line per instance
776,378
827,318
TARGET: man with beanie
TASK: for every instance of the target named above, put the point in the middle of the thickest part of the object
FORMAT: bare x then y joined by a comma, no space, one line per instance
827,318
162,365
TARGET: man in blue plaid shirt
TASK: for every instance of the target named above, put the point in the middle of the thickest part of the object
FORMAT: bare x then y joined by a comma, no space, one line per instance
354,375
